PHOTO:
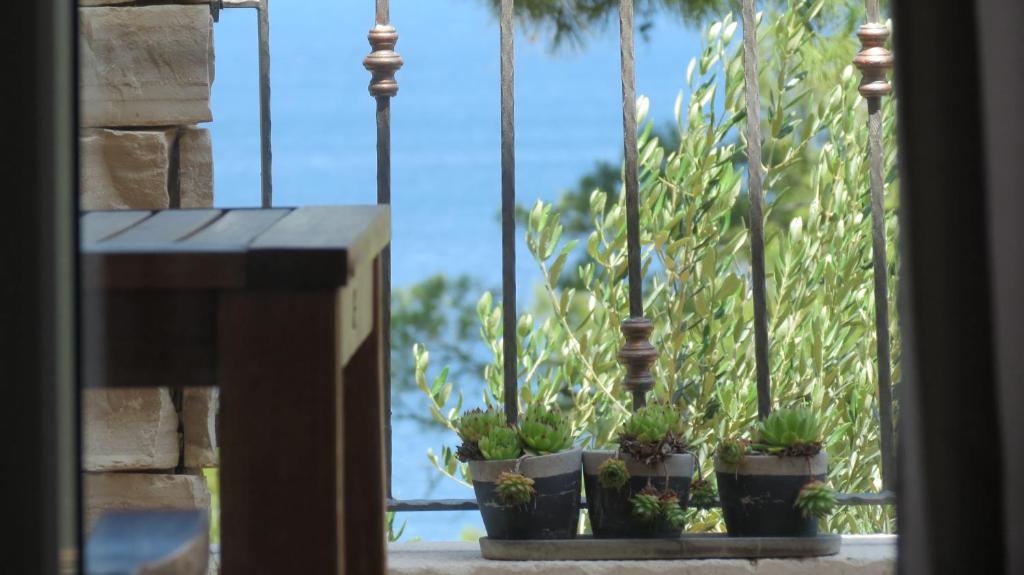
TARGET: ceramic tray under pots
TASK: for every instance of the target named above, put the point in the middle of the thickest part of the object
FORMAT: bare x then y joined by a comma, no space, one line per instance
610,510
759,494
554,511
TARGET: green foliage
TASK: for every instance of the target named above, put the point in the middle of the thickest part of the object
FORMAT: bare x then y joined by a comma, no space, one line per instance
787,430
393,535
212,476
545,431
695,258
501,443
816,499
515,489
571,20
612,474
434,310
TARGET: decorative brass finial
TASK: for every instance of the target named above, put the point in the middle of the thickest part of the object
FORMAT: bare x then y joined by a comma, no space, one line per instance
638,355
383,61
874,60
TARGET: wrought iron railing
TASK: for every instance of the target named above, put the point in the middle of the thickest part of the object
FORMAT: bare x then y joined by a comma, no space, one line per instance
637,353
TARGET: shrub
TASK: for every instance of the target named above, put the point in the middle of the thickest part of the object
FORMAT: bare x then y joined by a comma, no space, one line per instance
695,247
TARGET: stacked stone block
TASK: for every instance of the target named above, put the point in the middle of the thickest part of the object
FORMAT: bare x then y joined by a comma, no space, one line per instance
145,75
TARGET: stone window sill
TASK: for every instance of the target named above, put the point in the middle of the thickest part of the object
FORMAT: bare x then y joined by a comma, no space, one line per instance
860,555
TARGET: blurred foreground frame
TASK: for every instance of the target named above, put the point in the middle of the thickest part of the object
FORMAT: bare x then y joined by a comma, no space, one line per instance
962,311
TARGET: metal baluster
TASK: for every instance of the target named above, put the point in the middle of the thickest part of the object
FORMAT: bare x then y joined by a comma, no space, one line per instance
266,172
508,212
638,354
755,178
874,60
383,62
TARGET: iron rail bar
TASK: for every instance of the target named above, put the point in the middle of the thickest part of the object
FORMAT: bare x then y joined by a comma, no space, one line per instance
874,60
383,63
637,354
631,176
263,40
416,505
755,175
266,153
508,213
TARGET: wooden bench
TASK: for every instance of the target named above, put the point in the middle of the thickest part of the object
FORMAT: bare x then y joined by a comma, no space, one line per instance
281,309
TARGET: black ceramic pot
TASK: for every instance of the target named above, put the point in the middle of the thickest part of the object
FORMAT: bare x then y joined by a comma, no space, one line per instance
611,514
554,511
758,496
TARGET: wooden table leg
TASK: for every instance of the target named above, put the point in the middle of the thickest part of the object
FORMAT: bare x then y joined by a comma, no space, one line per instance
365,540
281,433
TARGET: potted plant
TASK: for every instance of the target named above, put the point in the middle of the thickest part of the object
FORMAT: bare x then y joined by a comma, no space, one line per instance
642,488
774,485
526,477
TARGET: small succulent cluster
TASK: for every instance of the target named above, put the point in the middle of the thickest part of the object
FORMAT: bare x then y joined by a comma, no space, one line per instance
612,474
514,489
472,427
501,443
651,506
794,432
486,435
732,451
702,493
545,431
653,432
816,499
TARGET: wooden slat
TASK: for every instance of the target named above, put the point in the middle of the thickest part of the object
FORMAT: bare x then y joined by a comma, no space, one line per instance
165,227
98,226
234,231
178,249
317,247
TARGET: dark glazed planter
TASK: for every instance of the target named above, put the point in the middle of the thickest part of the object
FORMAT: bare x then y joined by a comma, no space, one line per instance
759,494
555,510
611,514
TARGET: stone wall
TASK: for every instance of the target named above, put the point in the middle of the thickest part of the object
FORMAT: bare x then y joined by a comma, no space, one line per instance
146,70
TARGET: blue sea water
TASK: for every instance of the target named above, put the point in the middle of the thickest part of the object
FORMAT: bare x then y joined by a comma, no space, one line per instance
446,163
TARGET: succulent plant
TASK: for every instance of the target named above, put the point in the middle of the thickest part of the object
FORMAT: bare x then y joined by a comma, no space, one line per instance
476,423
732,451
514,488
612,474
702,493
651,506
794,431
671,512
545,431
816,499
653,432
652,423
501,443
646,505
